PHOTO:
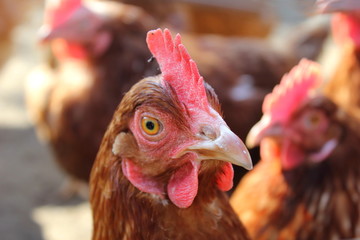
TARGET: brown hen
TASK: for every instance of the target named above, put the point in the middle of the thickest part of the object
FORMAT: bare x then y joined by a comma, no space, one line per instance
98,55
305,186
165,158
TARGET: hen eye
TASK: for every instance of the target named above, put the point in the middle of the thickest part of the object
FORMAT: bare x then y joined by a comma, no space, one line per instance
313,120
150,126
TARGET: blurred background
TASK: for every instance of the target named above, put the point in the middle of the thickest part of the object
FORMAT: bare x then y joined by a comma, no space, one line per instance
30,206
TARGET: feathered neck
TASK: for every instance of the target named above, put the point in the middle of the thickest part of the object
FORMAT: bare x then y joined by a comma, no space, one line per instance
121,211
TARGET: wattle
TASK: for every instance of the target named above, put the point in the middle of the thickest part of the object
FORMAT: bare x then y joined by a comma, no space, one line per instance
291,155
64,50
224,178
143,183
183,185
269,149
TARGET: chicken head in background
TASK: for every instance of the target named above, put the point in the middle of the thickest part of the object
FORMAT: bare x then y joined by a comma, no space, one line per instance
166,157
97,53
305,185
344,83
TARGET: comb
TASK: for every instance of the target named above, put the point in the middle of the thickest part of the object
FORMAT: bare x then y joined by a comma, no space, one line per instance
293,89
58,11
178,69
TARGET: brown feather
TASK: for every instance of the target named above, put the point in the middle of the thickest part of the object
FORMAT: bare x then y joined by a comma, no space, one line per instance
344,85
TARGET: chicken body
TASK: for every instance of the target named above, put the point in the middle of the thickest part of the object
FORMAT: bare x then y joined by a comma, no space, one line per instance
72,100
305,185
163,180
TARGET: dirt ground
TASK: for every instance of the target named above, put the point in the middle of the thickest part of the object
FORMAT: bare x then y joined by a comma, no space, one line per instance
30,208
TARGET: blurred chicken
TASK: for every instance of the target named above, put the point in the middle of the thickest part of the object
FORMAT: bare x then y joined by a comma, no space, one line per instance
99,55
344,85
166,157
306,185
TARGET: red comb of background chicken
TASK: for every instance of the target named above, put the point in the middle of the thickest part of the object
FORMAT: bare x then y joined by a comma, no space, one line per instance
58,11
345,27
292,90
178,69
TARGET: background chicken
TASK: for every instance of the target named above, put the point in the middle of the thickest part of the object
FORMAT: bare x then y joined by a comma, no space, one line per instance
97,58
159,165
305,186
344,83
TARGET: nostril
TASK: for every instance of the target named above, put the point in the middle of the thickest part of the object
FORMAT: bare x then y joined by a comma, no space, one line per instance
209,132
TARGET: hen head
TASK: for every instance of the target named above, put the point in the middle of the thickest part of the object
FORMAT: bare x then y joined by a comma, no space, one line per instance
79,29
73,29
298,125
346,21
168,126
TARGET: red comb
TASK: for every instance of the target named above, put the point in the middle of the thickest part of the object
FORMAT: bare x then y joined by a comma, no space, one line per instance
293,89
57,13
345,27
178,69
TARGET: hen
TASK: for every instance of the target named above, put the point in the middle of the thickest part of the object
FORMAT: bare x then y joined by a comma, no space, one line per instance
306,185
165,158
344,85
98,56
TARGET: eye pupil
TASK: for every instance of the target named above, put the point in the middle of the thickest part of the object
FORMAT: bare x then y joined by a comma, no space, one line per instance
150,125
314,119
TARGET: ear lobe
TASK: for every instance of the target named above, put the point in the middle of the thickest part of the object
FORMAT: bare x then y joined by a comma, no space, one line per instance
144,183
102,42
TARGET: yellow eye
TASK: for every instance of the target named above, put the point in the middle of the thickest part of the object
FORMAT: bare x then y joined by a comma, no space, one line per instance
150,125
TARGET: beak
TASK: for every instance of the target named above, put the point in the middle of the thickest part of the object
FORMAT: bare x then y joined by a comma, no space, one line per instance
330,6
45,33
264,128
226,147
